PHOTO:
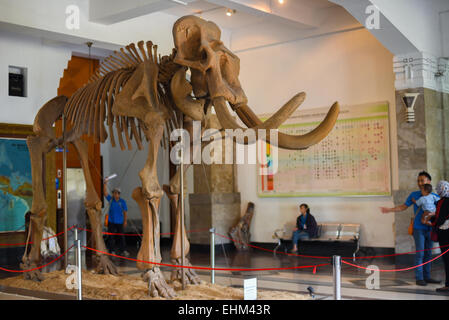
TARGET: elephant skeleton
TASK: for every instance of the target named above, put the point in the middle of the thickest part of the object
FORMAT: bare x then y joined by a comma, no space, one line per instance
138,91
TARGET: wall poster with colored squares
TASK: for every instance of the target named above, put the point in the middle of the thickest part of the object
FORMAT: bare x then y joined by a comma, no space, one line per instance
353,160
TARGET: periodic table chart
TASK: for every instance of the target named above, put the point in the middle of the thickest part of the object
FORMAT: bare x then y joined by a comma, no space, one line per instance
353,160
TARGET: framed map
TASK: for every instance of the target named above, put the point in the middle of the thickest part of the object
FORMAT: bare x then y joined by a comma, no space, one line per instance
353,160
15,184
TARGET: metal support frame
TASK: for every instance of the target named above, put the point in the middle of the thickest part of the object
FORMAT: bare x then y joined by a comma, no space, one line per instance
78,269
78,265
212,254
357,249
64,177
181,168
336,263
277,247
76,239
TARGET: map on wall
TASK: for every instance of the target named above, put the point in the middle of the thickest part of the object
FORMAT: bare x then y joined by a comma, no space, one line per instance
353,160
15,184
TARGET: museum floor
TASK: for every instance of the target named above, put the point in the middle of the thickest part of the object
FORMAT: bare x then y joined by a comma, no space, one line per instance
393,285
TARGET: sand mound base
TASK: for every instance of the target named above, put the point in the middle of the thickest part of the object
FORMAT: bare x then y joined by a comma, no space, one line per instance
132,287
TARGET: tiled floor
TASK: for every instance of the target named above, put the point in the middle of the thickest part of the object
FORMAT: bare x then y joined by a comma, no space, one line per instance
9,296
393,285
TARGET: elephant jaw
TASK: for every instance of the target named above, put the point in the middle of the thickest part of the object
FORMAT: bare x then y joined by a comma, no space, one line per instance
181,89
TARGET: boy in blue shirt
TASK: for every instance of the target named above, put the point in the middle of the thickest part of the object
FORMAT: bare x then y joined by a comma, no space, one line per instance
421,232
116,221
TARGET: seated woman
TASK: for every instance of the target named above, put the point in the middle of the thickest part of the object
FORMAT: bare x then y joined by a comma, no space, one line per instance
306,227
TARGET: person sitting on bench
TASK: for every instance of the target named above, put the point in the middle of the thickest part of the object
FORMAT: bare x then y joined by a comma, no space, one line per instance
306,227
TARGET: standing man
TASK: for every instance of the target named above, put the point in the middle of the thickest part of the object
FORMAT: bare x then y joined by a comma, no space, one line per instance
116,220
421,232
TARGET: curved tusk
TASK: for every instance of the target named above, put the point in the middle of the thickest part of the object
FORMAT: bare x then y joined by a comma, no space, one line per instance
292,142
284,112
228,122
181,89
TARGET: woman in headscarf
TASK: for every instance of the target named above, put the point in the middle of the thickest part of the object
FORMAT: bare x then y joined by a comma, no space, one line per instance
441,227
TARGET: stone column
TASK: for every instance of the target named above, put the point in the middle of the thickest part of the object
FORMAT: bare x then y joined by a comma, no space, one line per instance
423,144
215,201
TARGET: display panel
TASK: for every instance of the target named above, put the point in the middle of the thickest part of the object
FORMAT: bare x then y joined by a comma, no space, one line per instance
15,184
353,160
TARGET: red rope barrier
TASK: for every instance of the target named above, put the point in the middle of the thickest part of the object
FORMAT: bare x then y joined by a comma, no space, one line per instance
204,268
53,261
223,236
284,253
396,270
114,234
140,234
24,243
396,254
189,231
230,269
329,257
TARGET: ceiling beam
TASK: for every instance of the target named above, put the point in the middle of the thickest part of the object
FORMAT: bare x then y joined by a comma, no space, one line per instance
388,34
305,18
113,11
78,45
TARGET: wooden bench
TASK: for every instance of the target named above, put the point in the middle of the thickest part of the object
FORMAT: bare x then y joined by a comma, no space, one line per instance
327,232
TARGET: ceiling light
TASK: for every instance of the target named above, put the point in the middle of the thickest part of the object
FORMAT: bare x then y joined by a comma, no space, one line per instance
180,2
281,1
230,12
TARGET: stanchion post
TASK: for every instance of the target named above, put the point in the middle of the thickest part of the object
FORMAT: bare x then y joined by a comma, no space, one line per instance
212,254
336,263
78,269
64,177
181,177
76,244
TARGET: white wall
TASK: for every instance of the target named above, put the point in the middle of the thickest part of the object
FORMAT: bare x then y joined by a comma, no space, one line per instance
50,16
45,65
418,20
351,67
445,28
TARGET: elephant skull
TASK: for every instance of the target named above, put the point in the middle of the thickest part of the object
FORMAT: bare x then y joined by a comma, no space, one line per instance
214,76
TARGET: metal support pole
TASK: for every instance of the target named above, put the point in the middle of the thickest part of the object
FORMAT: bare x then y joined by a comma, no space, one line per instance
336,263
212,254
76,240
181,169
64,177
78,269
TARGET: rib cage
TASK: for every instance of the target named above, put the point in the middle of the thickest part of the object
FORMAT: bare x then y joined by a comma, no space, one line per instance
91,105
